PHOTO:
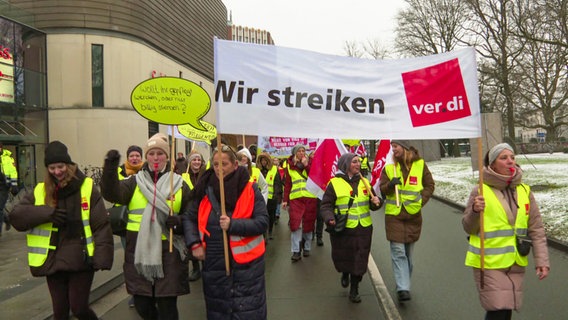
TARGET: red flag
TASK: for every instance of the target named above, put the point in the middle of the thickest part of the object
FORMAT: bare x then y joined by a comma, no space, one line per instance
324,165
383,157
360,150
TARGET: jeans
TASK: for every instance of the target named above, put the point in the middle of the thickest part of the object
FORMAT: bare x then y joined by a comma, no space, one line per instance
401,256
296,238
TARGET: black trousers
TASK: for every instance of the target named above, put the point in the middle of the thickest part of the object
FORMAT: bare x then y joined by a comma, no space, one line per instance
319,221
150,308
70,290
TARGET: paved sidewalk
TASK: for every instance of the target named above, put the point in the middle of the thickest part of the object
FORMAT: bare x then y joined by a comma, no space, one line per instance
25,297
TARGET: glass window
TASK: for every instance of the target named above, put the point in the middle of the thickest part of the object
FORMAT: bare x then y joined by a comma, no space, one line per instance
97,75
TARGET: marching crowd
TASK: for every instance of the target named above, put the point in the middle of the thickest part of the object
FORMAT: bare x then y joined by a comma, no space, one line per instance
220,214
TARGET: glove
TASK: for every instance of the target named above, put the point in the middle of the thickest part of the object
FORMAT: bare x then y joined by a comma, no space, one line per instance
395,181
112,157
58,217
174,222
14,190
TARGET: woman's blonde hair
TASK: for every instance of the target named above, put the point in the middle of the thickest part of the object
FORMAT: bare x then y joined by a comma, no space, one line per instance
51,184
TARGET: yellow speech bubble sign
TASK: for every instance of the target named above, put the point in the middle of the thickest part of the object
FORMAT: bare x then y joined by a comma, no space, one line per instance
190,132
172,101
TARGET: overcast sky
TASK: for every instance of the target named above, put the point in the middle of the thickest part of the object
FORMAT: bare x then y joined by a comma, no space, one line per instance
318,25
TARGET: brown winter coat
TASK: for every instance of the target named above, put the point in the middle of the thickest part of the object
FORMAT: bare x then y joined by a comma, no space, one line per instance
503,287
176,271
405,227
349,249
69,254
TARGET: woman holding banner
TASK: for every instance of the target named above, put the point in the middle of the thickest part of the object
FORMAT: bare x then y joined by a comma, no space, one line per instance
241,293
407,185
154,274
511,222
347,194
302,203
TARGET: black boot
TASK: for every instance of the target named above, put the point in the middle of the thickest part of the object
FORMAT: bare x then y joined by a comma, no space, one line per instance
354,290
196,272
345,279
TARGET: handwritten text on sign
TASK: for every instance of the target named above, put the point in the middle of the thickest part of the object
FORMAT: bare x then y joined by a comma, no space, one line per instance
172,101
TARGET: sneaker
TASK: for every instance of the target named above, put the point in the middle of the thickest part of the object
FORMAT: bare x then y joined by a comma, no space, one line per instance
306,253
355,297
319,242
296,257
403,295
131,302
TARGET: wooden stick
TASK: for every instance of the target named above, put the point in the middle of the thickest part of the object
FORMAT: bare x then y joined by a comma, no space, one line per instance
223,210
367,185
396,187
172,162
481,214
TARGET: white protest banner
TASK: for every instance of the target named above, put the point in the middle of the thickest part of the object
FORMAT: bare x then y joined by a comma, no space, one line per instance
278,91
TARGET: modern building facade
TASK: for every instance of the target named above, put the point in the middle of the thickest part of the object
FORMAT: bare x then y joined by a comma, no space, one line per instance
74,64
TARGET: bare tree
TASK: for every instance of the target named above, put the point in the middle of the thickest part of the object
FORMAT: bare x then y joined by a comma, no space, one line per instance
544,88
431,26
500,49
376,49
351,49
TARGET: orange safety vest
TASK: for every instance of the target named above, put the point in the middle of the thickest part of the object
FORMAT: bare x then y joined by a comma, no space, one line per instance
244,249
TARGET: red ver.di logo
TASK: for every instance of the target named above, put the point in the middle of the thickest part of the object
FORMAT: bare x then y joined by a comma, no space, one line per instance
436,94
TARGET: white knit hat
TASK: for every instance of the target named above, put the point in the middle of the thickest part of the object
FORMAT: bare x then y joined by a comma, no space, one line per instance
157,141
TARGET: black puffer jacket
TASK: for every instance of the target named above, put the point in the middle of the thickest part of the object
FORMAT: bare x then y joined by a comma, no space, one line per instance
242,294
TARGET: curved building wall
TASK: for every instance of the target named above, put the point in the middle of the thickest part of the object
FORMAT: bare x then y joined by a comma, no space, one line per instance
92,131
184,29
139,40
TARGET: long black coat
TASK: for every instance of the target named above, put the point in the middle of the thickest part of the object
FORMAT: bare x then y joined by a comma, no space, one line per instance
176,271
349,249
242,294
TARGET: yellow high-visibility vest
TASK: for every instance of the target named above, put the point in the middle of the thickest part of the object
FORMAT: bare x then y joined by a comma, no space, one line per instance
359,211
270,180
410,195
299,185
39,237
500,250
137,205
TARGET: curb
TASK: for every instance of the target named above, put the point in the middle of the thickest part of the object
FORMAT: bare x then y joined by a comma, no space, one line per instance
388,307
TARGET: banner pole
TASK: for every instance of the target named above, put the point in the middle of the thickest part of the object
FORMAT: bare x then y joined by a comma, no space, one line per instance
481,215
222,200
172,162
396,187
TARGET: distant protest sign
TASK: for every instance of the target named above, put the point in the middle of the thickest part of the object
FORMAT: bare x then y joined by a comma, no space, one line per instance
281,147
279,91
190,132
171,101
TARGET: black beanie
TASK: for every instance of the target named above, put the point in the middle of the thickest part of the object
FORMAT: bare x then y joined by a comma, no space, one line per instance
134,148
56,152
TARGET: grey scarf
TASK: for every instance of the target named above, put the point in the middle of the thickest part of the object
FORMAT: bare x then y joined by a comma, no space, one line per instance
148,253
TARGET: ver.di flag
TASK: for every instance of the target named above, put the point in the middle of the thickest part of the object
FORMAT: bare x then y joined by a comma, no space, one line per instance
324,165
382,158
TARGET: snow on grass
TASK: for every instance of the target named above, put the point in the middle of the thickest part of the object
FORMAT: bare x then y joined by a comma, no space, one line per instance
546,174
